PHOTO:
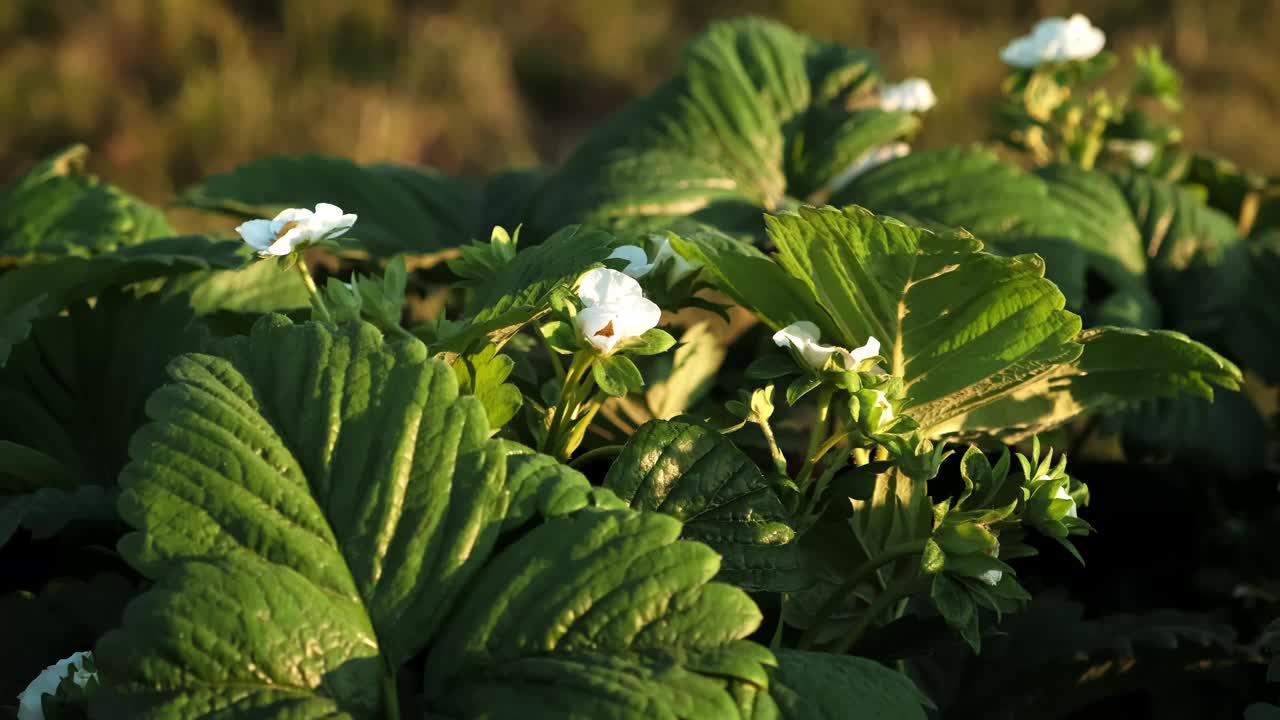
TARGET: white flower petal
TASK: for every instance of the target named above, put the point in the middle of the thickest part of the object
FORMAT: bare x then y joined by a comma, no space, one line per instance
287,242
1062,494
886,408
681,268
636,317
911,95
614,309
299,216
30,700
872,158
257,233
328,221
869,350
638,264
991,577
598,325
796,333
1055,39
602,286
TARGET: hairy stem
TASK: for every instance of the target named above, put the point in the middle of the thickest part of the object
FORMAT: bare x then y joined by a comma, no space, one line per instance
317,302
891,554
603,451
886,600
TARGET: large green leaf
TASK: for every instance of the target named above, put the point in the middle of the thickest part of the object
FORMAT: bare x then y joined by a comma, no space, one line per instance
961,326
819,686
972,188
1197,259
755,114
1118,367
75,394
401,208
44,288
698,476
320,506
586,617
57,210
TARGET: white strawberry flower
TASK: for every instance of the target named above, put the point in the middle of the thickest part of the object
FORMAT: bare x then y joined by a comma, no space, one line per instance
1055,39
295,228
614,309
31,700
680,267
910,95
803,336
638,264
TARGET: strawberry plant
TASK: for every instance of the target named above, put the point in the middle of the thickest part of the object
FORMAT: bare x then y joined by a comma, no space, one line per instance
745,410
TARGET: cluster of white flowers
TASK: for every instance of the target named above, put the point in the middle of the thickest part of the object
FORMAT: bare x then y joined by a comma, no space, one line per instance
1053,40
31,700
614,308
295,228
910,95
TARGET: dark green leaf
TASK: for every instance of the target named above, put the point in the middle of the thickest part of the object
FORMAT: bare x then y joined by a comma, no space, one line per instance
699,476
56,210
44,288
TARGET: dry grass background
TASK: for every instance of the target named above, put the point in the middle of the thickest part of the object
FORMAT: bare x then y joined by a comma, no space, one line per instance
166,91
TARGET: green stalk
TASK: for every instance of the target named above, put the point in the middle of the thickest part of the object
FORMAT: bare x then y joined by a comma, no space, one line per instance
891,554
317,302
600,452
817,434
779,459
568,398
883,602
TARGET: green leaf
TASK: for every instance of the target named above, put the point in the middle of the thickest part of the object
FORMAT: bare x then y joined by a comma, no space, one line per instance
57,210
1118,366
699,476
1255,322
523,290
43,288
341,510
962,327
400,208
484,375
655,341
682,379
753,280
66,616
75,393
820,686
617,375
625,587
260,287
755,114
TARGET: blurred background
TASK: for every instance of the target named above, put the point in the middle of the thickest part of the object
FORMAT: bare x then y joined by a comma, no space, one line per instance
168,91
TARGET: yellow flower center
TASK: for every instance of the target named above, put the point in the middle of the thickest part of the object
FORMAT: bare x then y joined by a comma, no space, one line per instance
287,227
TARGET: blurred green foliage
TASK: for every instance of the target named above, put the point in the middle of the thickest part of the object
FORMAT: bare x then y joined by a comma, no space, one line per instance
169,91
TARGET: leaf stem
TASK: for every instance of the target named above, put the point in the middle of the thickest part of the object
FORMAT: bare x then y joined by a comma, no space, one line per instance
890,554
816,436
568,399
594,453
883,602
317,302
391,697
779,459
